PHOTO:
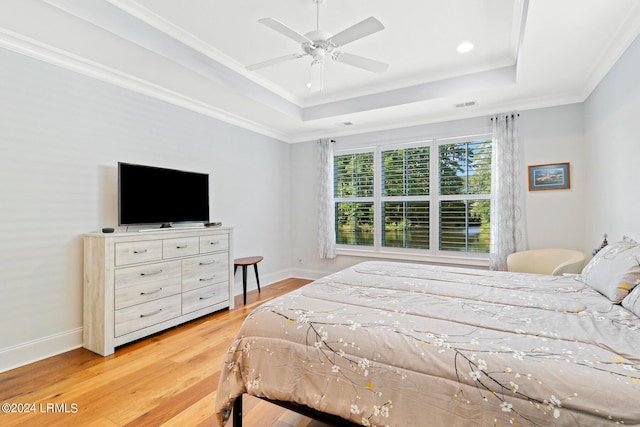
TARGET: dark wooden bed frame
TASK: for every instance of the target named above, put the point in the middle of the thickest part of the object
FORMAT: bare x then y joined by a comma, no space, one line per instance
333,420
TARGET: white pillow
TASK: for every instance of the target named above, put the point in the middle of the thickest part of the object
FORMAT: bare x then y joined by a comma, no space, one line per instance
615,270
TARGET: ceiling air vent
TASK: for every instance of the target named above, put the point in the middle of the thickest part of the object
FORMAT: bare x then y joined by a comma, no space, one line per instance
465,104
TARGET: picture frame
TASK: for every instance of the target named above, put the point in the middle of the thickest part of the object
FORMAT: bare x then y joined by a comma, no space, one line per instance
551,176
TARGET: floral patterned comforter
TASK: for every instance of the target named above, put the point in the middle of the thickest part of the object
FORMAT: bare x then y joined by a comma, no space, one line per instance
397,344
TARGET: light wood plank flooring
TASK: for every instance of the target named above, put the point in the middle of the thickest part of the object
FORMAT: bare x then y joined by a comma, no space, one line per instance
169,379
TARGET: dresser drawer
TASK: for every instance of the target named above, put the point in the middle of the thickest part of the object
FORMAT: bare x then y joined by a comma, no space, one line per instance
175,248
161,273
140,316
134,295
204,297
214,243
204,271
137,252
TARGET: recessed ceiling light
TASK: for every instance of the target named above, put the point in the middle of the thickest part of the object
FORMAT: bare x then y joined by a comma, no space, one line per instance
464,47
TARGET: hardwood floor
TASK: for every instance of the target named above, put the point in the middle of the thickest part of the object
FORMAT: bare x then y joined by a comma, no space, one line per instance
169,379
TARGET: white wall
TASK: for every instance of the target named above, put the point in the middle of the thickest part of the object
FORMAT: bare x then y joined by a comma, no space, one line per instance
612,134
549,135
61,136
554,218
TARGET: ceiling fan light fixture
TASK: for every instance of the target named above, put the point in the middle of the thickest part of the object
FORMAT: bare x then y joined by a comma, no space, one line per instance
316,81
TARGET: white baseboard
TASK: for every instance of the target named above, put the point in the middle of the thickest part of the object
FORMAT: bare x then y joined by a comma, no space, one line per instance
52,345
38,349
265,279
277,276
303,273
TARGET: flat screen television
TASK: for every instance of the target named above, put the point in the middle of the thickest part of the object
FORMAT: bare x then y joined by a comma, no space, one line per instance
153,195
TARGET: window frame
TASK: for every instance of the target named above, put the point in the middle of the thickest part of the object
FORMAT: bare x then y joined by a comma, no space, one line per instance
433,254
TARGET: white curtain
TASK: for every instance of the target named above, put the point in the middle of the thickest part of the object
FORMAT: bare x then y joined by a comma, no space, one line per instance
326,212
507,224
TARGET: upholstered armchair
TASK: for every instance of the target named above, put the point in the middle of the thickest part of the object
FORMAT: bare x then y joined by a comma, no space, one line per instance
553,261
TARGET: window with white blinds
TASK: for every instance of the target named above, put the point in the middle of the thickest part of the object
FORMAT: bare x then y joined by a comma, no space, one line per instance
353,194
464,177
431,197
405,197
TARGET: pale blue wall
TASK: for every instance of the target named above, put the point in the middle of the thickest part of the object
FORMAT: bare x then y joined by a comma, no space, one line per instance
612,147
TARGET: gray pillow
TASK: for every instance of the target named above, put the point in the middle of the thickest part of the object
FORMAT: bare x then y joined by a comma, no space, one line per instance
615,270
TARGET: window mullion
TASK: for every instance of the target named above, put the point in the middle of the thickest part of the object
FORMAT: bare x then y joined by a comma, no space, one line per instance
466,222
377,196
434,191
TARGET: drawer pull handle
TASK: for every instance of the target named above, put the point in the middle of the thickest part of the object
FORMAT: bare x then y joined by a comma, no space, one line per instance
209,296
152,273
155,291
182,246
208,262
141,251
214,243
151,314
206,279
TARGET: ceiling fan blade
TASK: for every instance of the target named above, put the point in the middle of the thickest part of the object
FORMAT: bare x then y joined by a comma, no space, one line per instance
284,30
360,62
361,29
274,61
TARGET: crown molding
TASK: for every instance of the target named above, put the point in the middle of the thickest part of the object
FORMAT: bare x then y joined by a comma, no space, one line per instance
620,41
40,51
35,49
532,103
156,21
110,18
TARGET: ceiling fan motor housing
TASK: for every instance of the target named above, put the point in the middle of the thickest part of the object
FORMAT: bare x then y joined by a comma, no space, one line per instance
320,45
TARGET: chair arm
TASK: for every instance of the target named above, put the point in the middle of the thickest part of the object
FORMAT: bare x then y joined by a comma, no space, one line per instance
573,267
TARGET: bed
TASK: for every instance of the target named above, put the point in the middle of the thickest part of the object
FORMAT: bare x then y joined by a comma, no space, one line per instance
399,344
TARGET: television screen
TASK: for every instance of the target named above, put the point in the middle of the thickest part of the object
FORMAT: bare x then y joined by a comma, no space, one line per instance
152,195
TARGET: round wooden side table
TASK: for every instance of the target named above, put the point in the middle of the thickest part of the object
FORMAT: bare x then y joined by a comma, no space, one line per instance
244,263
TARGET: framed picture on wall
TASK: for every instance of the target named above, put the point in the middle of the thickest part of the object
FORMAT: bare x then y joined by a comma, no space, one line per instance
553,176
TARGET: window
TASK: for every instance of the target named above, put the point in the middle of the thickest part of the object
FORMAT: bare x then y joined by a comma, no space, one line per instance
405,197
430,197
465,189
353,187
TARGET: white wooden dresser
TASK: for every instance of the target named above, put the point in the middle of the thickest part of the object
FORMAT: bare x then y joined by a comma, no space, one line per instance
139,283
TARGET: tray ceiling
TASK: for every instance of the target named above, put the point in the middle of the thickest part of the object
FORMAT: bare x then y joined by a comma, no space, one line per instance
526,55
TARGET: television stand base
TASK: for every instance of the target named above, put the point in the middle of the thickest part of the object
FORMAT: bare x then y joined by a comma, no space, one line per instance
174,227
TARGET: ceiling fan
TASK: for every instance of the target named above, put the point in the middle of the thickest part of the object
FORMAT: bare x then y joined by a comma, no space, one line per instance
319,44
